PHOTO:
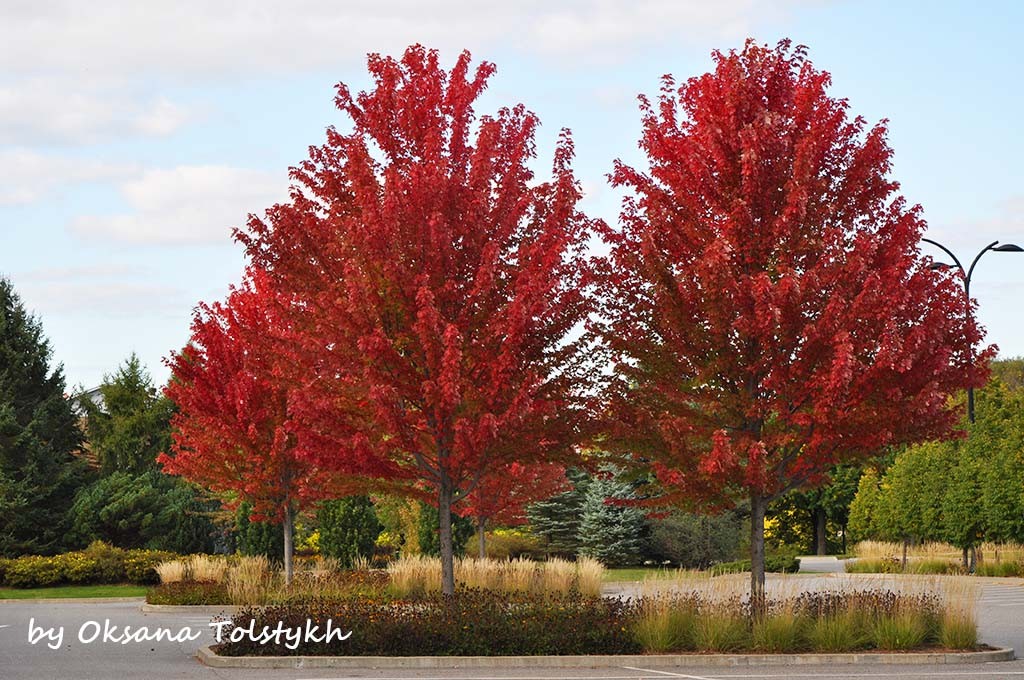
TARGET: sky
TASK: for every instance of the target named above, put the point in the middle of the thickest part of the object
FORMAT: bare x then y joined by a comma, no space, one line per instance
135,136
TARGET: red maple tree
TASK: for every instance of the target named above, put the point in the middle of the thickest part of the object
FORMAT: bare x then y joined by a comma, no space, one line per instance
764,297
500,499
438,285
232,432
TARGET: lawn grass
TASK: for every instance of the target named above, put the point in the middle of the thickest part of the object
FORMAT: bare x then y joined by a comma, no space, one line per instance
72,591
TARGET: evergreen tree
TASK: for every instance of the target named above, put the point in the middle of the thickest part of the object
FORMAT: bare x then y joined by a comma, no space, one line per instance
151,510
429,537
348,528
131,425
39,436
557,519
611,532
253,537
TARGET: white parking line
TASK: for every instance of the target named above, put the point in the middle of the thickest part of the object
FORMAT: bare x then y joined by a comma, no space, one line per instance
674,675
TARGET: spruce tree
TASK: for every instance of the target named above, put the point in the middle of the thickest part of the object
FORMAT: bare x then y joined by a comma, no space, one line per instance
558,518
610,531
39,436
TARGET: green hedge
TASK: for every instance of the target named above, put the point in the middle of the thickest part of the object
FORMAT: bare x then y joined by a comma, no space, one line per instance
783,564
98,564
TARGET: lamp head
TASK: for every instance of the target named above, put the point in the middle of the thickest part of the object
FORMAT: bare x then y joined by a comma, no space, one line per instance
1008,248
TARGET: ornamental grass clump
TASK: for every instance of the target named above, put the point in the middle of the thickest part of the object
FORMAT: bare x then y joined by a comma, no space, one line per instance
666,624
780,632
418,575
249,580
957,625
722,629
173,571
207,569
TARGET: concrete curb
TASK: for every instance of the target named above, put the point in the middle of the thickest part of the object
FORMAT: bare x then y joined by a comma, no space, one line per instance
73,600
147,608
210,658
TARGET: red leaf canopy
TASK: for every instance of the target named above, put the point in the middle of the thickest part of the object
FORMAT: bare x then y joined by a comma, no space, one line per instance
232,431
438,283
765,298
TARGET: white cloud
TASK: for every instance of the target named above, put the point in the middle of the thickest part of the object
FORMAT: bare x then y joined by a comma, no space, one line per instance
26,176
186,205
60,110
1003,222
109,290
200,39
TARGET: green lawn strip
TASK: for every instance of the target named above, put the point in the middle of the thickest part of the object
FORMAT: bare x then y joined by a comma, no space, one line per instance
72,592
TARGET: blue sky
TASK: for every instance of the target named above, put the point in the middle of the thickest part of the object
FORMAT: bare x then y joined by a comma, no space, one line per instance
134,136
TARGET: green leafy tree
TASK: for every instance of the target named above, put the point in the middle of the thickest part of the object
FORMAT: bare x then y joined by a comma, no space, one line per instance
695,541
348,528
816,520
130,425
39,437
913,492
963,524
557,519
866,509
150,510
611,530
997,443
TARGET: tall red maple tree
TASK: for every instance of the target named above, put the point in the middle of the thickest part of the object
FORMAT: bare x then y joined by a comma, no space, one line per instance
764,297
500,499
232,432
439,285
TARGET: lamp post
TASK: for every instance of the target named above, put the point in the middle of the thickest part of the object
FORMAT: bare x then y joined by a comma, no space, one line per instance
995,247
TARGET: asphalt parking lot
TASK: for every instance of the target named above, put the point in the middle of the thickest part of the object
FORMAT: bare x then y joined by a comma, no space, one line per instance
1001,619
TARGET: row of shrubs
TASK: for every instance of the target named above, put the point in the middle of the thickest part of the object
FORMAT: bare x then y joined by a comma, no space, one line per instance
932,565
478,622
100,563
776,564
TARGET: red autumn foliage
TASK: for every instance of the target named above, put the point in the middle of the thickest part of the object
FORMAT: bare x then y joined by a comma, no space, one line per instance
500,499
232,432
765,299
438,284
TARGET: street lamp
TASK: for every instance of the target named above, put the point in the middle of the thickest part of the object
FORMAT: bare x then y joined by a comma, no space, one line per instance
995,246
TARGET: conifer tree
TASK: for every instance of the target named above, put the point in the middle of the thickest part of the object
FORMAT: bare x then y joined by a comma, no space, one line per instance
39,435
610,530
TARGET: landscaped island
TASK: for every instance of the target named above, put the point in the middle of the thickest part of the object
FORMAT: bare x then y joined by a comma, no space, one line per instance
520,607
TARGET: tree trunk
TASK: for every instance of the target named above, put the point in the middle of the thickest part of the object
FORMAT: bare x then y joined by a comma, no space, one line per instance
820,522
757,594
966,565
481,536
974,561
903,564
289,546
444,511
